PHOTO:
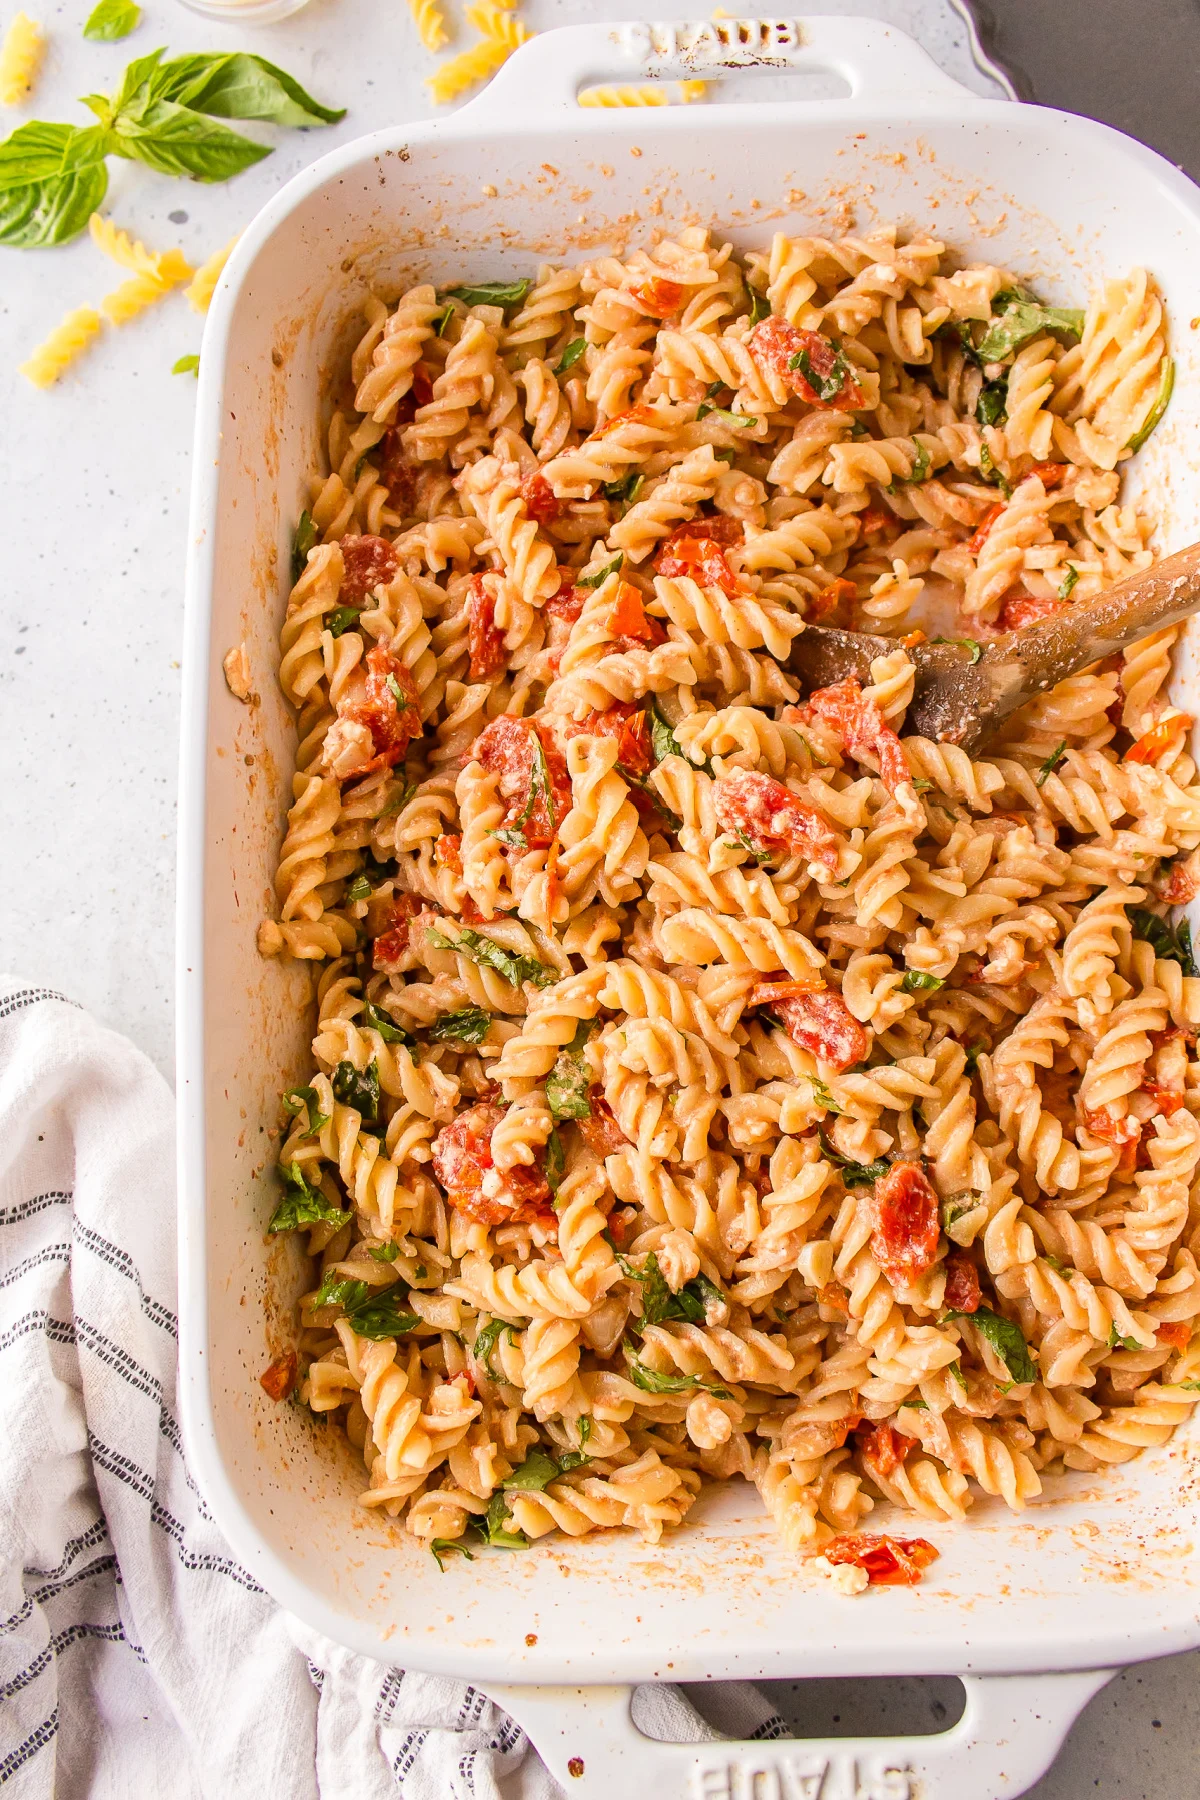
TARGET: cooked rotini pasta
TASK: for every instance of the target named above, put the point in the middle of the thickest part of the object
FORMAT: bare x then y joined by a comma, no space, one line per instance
712,1080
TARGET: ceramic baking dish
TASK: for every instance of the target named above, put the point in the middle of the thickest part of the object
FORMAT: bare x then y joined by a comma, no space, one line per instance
1102,1570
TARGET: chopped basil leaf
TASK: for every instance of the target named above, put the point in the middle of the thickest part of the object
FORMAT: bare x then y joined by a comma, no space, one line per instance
486,1340
358,1088
1117,1342
922,786
726,456
534,1474
747,843
600,576
389,1031
974,1052
492,1530
186,365
516,840
1006,1339
971,644
111,21
306,1100
407,790
917,982
991,408
627,489
956,1206
585,1428
723,413
555,1163
491,293
488,954
853,1174
440,1547
359,889
419,1271
469,1025
380,1314
956,1372
651,1381
917,1405
825,387
568,1081
570,355
823,1097
958,331
662,739
1059,1267
337,1290
442,321
398,694
303,1205
1024,318
572,1459
760,307
304,540
995,476
1192,1387
1171,944
341,619
922,464
1046,769
385,1253
1165,389
1068,582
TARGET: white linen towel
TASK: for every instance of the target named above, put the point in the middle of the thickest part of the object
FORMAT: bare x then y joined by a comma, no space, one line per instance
137,1658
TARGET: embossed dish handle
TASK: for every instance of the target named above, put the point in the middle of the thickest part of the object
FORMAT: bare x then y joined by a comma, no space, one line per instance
1009,1734
544,75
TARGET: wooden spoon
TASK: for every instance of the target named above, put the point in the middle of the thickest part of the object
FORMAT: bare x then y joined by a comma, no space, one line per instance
961,697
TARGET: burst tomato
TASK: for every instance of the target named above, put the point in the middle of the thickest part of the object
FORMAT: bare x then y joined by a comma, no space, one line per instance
756,806
628,622
280,1377
485,641
462,1162
633,415
976,543
778,347
699,559
817,1019
531,775
1159,739
882,1447
392,944
1050,474
1019,610
569,601
541,501
368,562
1178,1334
719,526
628,724
904,1214
862,728
962,1283
888,1561
600,1131
1108,1130
829,598
658,296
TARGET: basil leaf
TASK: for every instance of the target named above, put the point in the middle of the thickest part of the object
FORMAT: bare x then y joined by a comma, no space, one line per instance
585,1429
1022,319
1046,769
302,1205
662,739
956,1205
398,694
177,141
572,1459
627,489
1068,582
917,982
920,471
389,1031
1117,1342
1006,1339
991,408
971,644
570,355
111,21
1165,389
974,1052
723,413
853,1174
1171,944
358,1088
516,840
601,575
407,790
304,541
336,1290
1192,1387
534,1474
656,1295
384,1253
959,332
186,365
306,1100
491,293
341,619
568,1081
993,475
236,85
956,1372
470,1025
359,889
823,1097
825,387
440,1547
488,954
381,1315
492,1530
486,1340
760,307
555,1163
651,1381
52,179
747,843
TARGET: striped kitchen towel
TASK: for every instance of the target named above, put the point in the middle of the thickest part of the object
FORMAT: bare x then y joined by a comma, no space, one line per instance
137,1658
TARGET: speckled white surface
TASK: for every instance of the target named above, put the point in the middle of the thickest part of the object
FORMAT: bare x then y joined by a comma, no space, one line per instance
93,517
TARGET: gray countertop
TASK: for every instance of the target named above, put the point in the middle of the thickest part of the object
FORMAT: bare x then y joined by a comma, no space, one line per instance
93,521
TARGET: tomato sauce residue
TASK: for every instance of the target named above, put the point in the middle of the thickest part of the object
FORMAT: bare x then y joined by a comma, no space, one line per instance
628,622
536,788
485,641
687,555
963,1293
279,1378
633,415
1159,739
1108,1130
628,723
392,945
396,473
775,345
1178,1335
862,728
907,1227
775,820
834,1296
882,1447
541,501
1050,474
817,1019
888,1561
658,296
368,562
600,1132
462,1162
1166,1100
829,598
1019,610
718,526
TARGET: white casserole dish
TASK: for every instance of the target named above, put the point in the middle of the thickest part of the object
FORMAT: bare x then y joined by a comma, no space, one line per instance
1101,1571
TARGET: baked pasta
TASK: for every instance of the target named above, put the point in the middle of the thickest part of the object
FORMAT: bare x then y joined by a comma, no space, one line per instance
711,1079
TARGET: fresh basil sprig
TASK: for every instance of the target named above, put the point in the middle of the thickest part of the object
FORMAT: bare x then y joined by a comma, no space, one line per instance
111,21
491,293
